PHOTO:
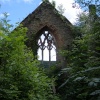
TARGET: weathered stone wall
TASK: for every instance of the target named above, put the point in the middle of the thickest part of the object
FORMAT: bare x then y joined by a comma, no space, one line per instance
47,16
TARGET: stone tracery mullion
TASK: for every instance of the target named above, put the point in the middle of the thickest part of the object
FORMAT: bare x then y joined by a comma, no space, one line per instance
41,47
46,40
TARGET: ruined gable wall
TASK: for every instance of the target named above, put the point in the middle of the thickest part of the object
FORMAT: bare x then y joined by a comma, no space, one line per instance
46,15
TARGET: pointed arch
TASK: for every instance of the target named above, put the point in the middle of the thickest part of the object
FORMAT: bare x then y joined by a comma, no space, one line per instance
46,45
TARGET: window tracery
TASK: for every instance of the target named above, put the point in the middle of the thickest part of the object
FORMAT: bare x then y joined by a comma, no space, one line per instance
47,48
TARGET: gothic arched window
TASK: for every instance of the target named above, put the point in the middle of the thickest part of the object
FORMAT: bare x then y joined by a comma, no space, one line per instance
47,48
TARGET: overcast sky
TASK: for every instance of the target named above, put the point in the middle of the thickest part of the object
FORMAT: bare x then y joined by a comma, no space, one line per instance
19,9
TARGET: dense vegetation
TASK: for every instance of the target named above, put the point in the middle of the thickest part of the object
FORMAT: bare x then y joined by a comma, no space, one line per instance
83,70
82,80
20,75
22,78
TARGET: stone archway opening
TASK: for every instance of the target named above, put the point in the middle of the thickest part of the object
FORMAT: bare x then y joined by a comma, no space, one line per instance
46,47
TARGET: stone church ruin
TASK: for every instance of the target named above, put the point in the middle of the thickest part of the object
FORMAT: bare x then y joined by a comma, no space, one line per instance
48,33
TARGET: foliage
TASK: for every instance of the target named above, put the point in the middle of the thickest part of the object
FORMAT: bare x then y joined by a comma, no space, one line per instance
53,3
83,70
20,75
61,9
85,3
45,0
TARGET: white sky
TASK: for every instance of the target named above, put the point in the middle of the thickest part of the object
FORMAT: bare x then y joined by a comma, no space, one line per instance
70,12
